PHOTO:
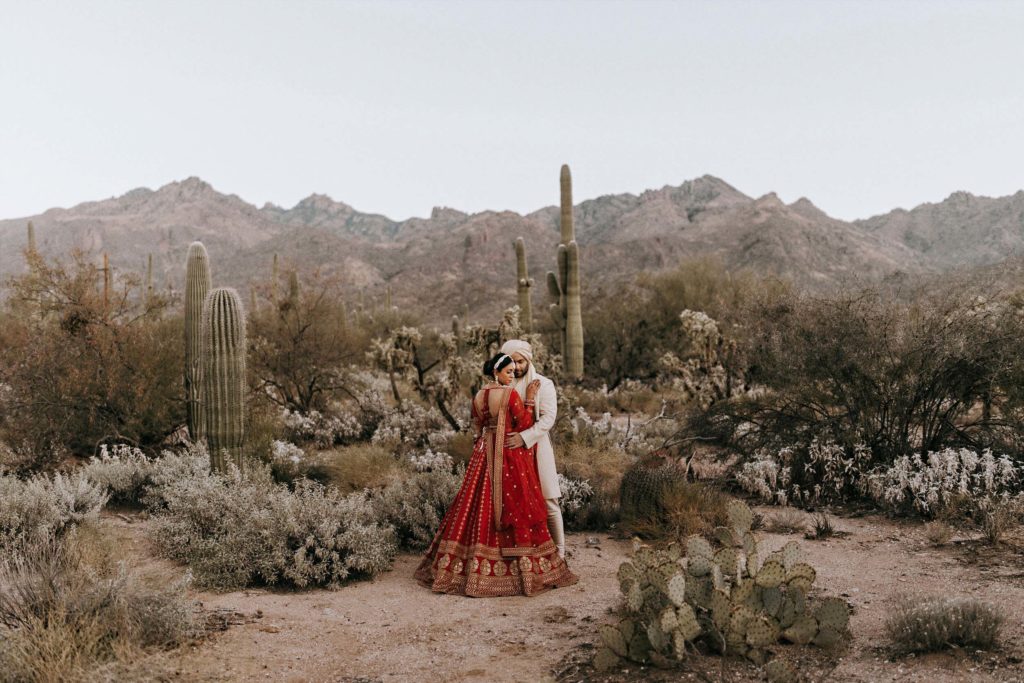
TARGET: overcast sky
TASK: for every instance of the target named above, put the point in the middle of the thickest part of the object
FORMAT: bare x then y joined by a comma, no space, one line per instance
396,107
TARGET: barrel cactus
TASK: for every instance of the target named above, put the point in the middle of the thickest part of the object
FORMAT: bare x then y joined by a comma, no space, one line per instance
224,387
197,284
722,594
643,488
564,288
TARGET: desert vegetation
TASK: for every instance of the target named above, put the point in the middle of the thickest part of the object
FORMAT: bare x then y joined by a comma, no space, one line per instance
305,440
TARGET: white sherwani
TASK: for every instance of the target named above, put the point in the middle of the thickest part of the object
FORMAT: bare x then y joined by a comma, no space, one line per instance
545,412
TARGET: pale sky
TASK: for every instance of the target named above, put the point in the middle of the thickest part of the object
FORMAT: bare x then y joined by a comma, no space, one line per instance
395,107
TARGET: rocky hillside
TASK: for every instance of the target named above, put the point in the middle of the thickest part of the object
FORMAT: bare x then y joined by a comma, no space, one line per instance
452,260
961,230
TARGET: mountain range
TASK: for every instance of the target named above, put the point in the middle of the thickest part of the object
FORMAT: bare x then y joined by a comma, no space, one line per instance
454,261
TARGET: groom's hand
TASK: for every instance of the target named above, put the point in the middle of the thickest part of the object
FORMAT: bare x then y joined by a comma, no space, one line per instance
515,441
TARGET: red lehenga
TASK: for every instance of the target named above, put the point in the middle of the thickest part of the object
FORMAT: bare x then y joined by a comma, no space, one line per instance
470,555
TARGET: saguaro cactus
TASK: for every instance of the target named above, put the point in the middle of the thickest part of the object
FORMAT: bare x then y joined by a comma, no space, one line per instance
223,382
566,310
274,274
293,290
457,333
523,285
149,279
197,284
31,248
106,283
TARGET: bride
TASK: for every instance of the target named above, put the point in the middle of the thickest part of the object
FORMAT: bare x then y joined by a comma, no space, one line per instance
494,539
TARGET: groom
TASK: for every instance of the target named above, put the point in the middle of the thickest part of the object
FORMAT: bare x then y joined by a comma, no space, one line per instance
546,410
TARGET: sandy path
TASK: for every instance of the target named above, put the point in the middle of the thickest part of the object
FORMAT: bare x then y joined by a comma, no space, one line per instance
391,629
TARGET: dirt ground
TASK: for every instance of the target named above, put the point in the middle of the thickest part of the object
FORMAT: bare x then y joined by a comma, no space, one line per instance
391,629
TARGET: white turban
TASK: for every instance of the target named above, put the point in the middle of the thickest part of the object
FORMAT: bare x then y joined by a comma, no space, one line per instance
526,351
519,346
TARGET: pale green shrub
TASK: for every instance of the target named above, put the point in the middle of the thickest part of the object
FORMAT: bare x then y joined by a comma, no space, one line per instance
239,530
41,509
122,470
414,506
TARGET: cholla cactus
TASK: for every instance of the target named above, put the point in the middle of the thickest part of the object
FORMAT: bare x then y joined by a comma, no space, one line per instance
729,596
197,284
224,388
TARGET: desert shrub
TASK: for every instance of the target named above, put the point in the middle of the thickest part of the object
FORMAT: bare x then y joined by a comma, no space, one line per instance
171,467
415,505
43,509
939,480
62,620
932,485
430,461
361,466
920,373
576,493
626,341
79,370
323,430
301,344
236,530
122,471
937,623
413,426
819,472
129,477
289,463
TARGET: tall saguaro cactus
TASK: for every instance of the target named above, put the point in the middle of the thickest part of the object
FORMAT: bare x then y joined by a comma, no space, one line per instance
223,382
197,284
149,280
566,309
106,283
31,248
523,285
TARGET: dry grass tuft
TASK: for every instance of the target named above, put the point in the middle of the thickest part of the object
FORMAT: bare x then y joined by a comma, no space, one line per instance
602,468
938,533
997,517
685,508
787,521
821,527
938,623
358,467
62,619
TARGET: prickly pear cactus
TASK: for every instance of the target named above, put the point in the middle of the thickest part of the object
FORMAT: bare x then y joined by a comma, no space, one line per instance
726,598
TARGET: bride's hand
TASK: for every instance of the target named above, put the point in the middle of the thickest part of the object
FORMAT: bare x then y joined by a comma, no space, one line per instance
531,389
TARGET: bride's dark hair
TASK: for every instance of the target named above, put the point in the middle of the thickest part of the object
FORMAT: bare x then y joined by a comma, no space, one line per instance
495,364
